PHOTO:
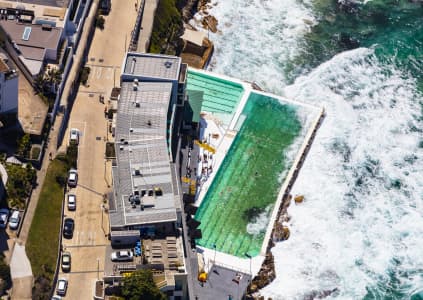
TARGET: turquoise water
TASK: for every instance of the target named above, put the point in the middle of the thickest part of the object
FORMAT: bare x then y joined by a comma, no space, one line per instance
247,183
358,235
220,96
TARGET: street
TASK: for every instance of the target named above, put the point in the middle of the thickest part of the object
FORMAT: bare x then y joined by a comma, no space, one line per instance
89,240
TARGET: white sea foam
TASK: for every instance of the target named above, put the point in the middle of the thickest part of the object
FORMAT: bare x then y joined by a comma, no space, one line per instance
362,218
258,36
355,223
259,225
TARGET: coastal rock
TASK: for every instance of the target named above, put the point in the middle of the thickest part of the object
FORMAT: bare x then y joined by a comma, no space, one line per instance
210,22
281,233
299,199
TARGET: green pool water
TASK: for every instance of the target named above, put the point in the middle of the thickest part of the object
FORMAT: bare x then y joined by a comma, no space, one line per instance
220,96
248,181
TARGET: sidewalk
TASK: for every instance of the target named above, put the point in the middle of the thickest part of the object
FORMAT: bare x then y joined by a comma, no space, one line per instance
22,276
21,272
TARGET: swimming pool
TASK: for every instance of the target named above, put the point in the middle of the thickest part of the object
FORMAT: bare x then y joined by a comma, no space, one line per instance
220,96
235,211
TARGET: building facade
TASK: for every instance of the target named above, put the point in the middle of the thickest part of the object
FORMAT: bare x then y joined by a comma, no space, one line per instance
8,92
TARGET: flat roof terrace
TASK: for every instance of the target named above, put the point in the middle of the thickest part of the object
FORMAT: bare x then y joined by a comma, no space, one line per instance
150,66
54,3
142,177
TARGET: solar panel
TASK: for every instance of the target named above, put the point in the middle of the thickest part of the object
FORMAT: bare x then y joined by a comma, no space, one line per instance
26,33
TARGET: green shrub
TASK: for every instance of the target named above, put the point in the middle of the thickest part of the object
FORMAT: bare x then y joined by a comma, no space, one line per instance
83,76
72,155
99,22
24,145
167,24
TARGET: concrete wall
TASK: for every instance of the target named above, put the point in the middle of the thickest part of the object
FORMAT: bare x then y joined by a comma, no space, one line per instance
8,94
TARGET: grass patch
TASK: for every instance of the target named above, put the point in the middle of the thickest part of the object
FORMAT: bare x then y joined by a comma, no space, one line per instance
43,235
35,151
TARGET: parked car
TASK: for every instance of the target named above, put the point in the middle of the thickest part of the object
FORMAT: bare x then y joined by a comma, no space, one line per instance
66,261
124,255
74,136
62,286
56,297
68,228
4,215
73,178
14,220
71,202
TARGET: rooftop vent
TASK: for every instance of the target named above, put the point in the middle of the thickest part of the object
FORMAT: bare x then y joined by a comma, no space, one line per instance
137,104
135,87
46,27
168,64
131,129
120,147
134,61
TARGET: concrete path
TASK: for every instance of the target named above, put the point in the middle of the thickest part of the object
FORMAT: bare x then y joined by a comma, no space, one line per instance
21,272
147,25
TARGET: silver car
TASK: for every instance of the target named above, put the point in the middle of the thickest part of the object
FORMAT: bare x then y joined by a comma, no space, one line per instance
71,202
62,286
73,178
124,255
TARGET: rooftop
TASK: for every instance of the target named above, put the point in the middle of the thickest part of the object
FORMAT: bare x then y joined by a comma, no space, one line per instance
36,36
54,3
152,66
223,283
143,176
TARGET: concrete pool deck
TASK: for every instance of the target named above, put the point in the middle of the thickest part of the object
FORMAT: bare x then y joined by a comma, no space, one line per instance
222,145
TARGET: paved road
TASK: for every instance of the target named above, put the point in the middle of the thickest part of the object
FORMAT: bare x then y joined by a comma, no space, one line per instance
88,245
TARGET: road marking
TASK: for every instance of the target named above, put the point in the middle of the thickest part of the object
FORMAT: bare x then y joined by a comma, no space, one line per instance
109,73
98,72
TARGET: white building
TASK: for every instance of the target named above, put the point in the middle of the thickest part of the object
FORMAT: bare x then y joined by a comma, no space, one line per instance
8,90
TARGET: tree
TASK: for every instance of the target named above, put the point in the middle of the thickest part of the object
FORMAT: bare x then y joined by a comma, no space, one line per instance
140,285
99,22
24,145
53,77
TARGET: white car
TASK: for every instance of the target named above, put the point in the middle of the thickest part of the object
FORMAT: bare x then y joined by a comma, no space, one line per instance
62,286
14,220
71,202
56,297
74,136
124,255
73,178
4,215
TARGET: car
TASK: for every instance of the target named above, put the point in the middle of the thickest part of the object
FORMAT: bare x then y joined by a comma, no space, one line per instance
56,297
74,136
71,202
73,178
14,220
66,261
124,255
62,286
68,227
4,215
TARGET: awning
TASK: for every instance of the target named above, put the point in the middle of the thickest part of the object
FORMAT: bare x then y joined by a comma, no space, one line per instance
194,36
193,109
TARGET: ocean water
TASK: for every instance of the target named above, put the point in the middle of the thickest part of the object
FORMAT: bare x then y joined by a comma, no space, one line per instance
359,233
